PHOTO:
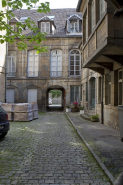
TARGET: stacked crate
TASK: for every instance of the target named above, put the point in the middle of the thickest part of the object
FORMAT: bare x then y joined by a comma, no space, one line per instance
35,110
8,107
23,112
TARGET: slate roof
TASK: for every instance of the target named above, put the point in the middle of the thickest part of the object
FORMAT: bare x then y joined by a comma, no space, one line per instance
60,17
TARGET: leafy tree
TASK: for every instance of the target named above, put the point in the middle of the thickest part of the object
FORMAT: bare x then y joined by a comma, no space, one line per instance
55,93
7,12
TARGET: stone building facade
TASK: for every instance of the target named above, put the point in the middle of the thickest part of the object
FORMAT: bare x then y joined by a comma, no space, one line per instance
102,60
32,76
3,49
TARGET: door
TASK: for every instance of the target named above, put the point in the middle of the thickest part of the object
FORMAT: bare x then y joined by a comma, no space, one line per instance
32,95
93,92
10,95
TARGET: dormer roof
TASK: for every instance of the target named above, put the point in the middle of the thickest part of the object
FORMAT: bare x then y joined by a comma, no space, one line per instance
74,16
47,18
14,20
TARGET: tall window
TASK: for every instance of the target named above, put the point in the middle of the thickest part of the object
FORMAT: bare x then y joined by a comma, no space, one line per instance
45,27
120,87
92,16
75,63
86,28
102,7
56,63
33,59
11,63
74,27
74,94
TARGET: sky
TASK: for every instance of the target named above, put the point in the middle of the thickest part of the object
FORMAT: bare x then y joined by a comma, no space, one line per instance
61,3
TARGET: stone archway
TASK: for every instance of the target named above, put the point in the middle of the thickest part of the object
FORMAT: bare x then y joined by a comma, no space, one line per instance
63,99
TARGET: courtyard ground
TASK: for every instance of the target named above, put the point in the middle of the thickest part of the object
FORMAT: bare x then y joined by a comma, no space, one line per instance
47,151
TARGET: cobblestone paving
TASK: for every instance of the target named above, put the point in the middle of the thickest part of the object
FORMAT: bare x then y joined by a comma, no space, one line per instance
47,151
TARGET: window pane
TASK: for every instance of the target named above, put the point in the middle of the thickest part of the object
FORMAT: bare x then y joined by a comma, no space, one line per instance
72,68
77,63
71,73
71,62
59,58
77,72
72,57
77,68
77,57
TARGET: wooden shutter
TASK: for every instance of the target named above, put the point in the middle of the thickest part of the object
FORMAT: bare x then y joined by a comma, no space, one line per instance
43,27
32,95
78,25
47,27
10,93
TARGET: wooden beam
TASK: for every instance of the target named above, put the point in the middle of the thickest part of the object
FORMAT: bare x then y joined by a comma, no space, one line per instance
107,65
97,69
116,58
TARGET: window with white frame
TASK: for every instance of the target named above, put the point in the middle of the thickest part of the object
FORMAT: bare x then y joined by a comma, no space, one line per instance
92,16
74,27
120,87
11,63
75,63
33,59
102,7
74,94
56,63
45,27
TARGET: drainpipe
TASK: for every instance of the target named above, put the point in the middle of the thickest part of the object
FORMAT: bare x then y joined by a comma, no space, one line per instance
102,116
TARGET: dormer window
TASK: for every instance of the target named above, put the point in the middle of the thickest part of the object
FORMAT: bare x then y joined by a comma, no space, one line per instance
74,24
46,24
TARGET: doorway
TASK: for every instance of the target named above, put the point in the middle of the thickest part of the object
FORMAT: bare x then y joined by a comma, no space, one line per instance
56,98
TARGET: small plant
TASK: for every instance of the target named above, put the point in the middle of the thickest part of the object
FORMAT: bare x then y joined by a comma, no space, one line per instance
75,104
95,116
67,106
81,108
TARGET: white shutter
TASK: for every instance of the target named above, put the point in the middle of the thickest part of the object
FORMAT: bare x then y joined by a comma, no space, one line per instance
43,27
10,93
68,26
78,25
32,95
47,27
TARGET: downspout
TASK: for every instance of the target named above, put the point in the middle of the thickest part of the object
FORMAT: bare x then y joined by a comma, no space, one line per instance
102,116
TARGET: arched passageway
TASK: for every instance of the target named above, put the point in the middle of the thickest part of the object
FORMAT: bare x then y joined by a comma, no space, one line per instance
58,104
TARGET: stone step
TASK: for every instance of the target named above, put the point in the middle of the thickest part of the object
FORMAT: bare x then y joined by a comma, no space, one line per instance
85,117
92,111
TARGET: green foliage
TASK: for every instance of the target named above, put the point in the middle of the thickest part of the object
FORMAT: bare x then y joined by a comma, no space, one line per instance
81,108
55,93
68,106
95,116
11,35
